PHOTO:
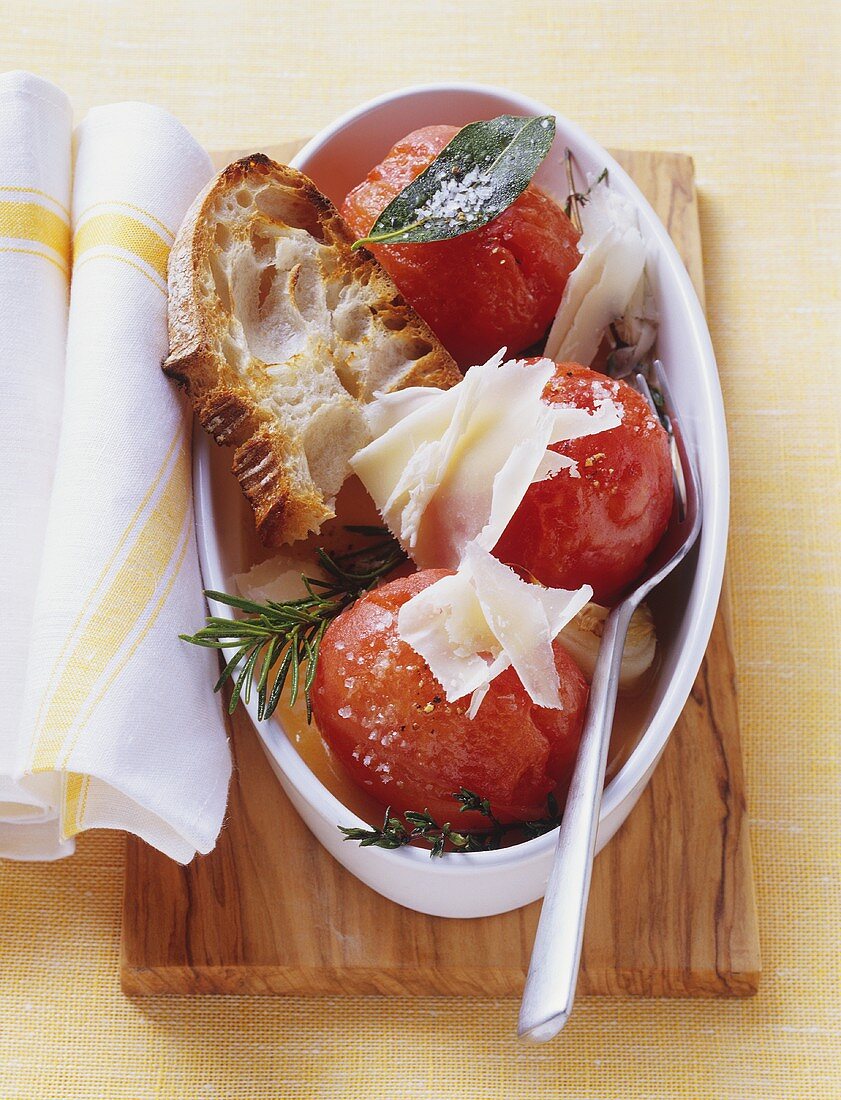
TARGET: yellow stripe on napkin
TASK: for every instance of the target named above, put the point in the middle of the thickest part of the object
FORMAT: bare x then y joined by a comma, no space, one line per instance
127,535
157,553
114,230
29,221
74,797
16,189
148,216
76,787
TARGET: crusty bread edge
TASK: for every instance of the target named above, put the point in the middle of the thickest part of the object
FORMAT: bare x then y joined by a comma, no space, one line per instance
282,514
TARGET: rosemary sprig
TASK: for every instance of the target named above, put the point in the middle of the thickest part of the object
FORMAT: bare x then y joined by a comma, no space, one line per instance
442,838
288,635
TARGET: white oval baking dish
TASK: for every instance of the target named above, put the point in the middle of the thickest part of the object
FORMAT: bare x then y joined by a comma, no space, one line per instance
483,883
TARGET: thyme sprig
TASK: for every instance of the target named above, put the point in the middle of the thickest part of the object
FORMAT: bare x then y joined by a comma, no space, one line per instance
441,838
288,636
576,199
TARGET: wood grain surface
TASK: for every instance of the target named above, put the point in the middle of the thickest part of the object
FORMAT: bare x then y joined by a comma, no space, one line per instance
672,910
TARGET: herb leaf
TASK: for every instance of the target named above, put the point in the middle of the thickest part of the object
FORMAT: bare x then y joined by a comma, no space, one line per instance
394,833
482,171
291,632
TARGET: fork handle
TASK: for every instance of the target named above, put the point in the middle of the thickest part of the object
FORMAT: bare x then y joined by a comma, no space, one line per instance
553,971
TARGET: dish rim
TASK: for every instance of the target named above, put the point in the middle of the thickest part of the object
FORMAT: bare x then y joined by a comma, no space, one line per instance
648,749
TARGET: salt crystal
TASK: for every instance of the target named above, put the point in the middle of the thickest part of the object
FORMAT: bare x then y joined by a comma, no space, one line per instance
457,199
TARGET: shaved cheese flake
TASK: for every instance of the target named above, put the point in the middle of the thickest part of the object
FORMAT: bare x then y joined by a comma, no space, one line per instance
476,700
472,625
512,481
445,624
606,209
608,282
278,578
525,619
608,277
380,465
387,409
456,467
570,422
551,464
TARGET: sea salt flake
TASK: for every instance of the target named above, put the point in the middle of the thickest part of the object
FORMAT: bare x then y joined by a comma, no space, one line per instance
456,200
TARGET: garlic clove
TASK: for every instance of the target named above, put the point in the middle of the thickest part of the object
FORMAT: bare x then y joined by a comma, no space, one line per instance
582,638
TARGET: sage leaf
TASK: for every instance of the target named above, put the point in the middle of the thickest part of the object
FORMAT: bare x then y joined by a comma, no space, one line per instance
483,170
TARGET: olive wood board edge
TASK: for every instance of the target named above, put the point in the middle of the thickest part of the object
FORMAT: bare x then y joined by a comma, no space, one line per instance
672,909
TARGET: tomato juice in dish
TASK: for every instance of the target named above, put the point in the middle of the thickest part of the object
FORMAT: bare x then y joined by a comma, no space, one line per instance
486,882
594,511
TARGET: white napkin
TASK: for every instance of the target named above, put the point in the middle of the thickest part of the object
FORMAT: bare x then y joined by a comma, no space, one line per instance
35,130
115,704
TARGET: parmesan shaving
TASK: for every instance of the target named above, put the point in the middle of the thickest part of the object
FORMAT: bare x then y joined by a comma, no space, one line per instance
278,578
551,464
454,467
472,625
388,408
607,279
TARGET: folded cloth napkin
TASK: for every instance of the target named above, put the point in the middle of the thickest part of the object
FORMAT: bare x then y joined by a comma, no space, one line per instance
35,131
115,704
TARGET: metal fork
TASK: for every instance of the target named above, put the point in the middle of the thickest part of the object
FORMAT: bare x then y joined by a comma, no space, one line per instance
550,985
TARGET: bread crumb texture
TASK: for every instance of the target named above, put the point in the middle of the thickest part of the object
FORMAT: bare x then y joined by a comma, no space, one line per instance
280,334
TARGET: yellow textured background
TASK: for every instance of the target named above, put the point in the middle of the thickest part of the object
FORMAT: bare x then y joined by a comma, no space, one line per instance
750,90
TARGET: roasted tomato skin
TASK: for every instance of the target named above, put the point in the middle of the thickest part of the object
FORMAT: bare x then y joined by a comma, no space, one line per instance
497,286
600,527
384,716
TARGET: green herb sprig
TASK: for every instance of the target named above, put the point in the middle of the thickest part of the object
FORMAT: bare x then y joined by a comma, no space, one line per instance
442,838
576,199
480,173
288,635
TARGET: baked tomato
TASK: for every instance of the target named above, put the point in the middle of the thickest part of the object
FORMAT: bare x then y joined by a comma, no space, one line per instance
384,715
597,528
497,286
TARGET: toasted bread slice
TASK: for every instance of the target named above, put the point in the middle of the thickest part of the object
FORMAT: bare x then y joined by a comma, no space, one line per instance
280,334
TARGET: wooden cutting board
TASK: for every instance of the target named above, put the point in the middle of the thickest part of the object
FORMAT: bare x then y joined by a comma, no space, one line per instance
672,910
